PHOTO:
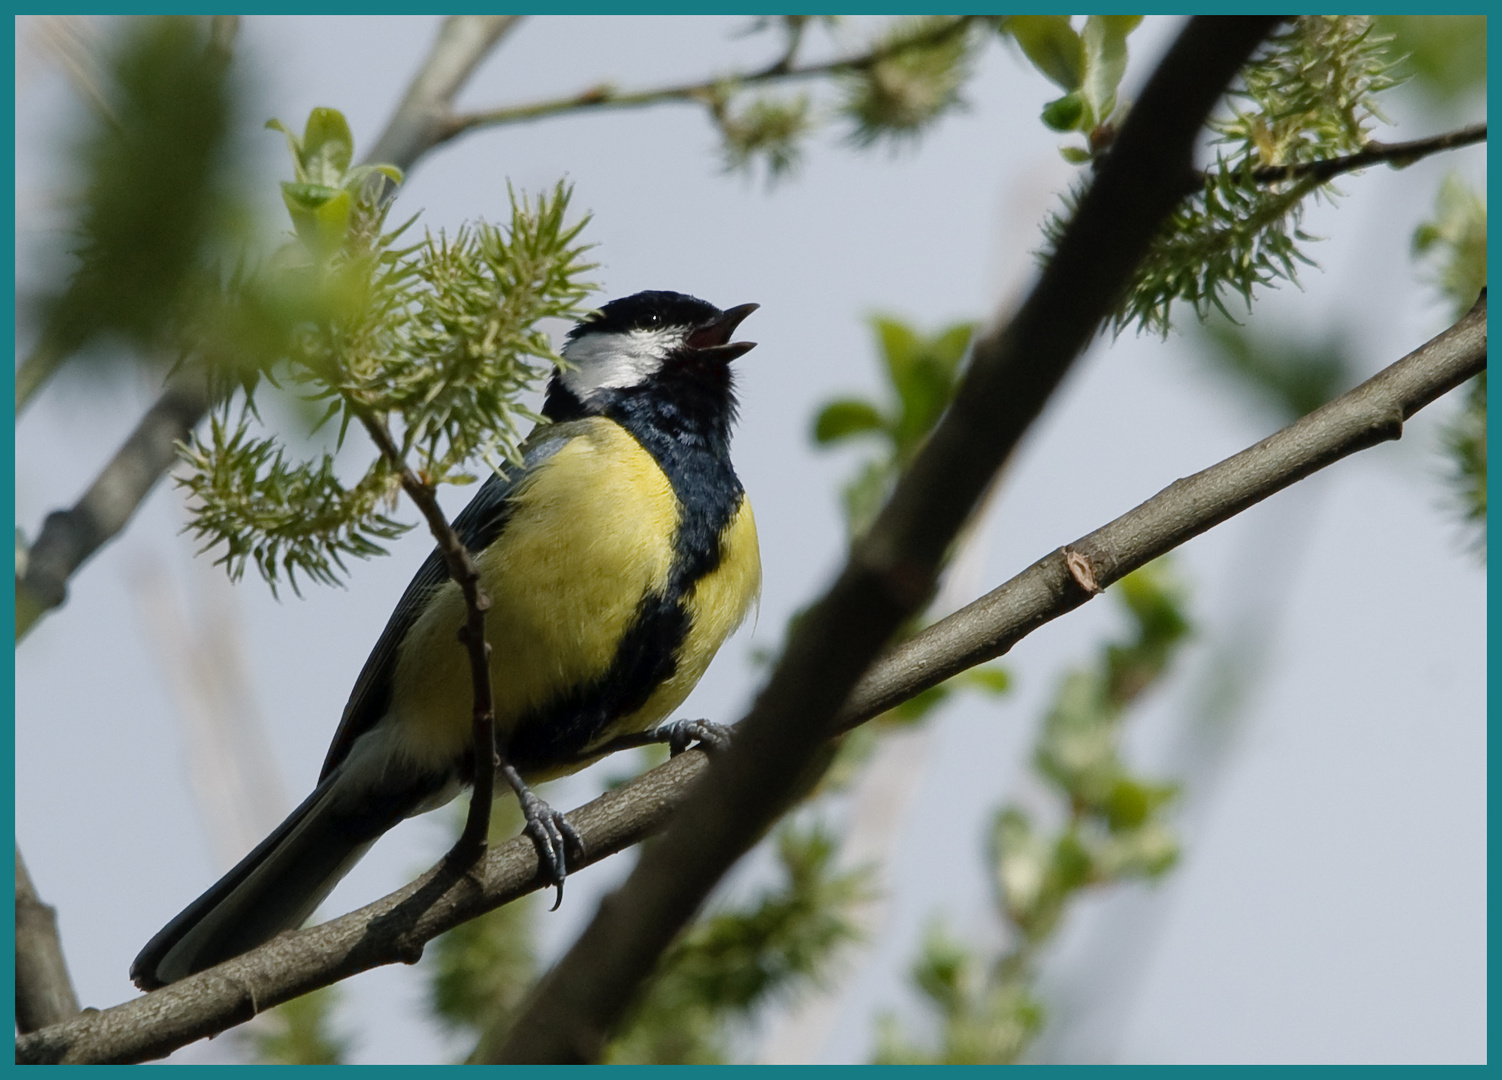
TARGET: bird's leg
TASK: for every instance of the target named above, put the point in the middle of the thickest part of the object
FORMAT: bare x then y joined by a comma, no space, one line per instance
549,830
678,734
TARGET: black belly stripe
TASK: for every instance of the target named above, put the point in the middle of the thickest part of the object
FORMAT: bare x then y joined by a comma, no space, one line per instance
648,654
689,439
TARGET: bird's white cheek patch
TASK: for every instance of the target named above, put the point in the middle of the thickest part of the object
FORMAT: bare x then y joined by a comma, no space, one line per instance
616,361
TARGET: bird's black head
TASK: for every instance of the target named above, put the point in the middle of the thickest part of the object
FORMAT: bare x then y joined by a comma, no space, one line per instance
659,352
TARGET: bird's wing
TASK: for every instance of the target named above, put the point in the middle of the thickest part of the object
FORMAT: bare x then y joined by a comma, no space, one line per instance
477,525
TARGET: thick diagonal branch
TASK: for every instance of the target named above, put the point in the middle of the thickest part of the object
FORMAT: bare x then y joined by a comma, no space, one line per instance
395,928
891,571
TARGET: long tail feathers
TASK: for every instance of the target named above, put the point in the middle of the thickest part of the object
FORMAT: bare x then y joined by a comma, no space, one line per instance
272,889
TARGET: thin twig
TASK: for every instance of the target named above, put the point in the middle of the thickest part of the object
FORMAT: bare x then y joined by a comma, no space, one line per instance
44,991
461,567
704,91
395,928
1398,155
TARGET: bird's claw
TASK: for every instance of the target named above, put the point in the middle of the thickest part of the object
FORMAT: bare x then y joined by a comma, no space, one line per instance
553,837
681,734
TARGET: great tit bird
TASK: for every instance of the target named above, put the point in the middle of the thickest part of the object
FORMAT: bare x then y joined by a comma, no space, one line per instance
618,558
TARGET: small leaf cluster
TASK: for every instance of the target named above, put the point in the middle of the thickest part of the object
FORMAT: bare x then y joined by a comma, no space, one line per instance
1453,247
301,1032
1309,95
1465,442
451,339
1232,236
770,129
1452,244
436,340
982,1020
1312,91
909,78
327,194
920,67
738,958
156,198
922,373
1087,64
287,517
1114,830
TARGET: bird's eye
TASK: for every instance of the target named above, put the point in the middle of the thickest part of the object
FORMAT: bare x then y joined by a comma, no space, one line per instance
653,319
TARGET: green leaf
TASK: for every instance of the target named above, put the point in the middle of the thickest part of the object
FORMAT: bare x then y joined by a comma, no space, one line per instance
321,215
899,345
988,678
1072,860
1075,155
1132,801
1052,45
1067,113
846,417
951,345
327,148
1105,61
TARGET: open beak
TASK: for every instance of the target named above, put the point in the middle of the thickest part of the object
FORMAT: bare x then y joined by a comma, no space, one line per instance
712,340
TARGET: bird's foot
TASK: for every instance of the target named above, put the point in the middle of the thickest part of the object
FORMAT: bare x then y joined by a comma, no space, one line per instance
681,734
553,837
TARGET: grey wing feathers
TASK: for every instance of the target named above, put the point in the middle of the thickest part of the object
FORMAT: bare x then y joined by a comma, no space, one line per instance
478,524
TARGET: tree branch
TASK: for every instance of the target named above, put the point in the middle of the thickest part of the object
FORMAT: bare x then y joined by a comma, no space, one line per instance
395,928
891,571
69,538
420,121
44,992
705,91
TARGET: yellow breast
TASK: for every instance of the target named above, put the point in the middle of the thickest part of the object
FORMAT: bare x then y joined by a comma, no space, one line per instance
590,532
